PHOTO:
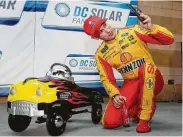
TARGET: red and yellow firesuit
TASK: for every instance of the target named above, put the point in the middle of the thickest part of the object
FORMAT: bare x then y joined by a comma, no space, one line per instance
129,55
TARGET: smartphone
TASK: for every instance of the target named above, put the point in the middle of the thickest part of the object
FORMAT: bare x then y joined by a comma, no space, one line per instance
137,12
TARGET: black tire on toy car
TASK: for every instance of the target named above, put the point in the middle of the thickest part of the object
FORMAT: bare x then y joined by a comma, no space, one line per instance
18,123
96,113
54,128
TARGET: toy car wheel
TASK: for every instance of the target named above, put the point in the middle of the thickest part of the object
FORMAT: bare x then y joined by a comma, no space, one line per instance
96,113
18,123
55,122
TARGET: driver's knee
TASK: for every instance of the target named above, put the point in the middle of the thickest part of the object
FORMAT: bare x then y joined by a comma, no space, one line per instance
111,122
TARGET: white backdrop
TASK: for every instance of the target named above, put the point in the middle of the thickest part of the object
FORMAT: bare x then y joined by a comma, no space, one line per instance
36,34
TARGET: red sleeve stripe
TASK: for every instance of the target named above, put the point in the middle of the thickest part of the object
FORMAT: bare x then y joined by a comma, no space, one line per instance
157,38
108,71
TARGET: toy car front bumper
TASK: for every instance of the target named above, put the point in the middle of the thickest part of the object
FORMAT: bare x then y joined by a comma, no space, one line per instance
24,108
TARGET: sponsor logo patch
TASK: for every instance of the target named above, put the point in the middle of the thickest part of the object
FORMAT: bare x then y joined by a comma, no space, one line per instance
124,34
131,66
125,57
108,57
124,46
104,49
121,41
149,83
130,38
150,69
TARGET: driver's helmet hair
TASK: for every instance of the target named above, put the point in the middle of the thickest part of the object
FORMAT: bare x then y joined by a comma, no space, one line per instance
58,73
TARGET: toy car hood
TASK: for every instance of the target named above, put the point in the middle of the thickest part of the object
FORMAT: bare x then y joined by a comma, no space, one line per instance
32,90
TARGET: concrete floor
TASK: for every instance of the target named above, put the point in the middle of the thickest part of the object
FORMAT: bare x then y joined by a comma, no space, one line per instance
167,122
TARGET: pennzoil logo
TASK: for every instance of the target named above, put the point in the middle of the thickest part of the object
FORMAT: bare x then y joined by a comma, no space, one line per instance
131,66
149,83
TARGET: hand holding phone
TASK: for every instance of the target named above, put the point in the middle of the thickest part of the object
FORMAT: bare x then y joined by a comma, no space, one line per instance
137,11
145,20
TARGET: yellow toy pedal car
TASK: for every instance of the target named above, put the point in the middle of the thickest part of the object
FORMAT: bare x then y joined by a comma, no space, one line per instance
52,99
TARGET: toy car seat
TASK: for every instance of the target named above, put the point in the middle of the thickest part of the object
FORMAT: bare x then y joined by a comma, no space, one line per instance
61,72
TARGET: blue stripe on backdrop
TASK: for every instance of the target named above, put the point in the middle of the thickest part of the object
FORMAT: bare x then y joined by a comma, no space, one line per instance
65,28
32,6
131,21
133,2
4,91
9,21
5,85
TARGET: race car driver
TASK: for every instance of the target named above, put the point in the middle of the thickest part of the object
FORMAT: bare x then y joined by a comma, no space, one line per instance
126,51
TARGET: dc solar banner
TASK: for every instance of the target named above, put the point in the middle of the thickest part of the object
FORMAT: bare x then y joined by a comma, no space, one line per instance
36,34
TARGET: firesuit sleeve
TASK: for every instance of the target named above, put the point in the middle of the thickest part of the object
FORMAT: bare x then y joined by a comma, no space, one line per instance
106,76
157,35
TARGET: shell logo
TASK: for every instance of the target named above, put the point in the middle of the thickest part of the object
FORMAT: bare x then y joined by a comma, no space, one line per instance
125,57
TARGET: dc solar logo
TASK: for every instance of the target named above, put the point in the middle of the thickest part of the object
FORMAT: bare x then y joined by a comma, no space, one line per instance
62,9
73,62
